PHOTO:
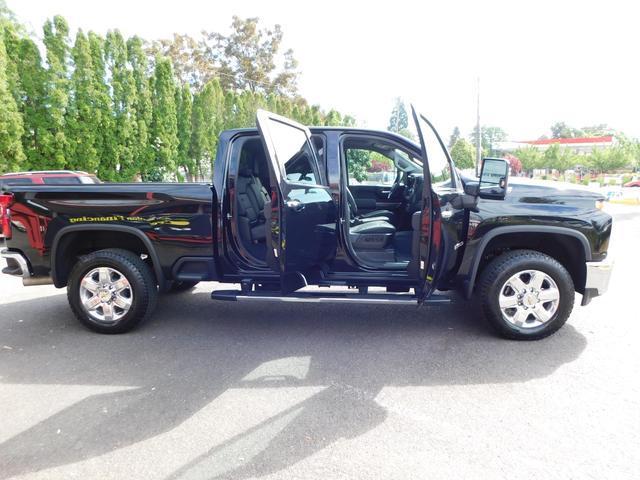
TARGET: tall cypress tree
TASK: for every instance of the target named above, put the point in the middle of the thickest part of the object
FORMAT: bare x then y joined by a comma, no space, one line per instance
164,130
11,154
123,98
33,106
83,123
106,144
142,150
56,41
185,101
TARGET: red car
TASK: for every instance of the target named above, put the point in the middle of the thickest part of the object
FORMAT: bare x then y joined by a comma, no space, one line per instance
633,183
52,177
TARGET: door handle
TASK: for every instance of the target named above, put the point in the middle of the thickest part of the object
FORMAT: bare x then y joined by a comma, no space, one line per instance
295,205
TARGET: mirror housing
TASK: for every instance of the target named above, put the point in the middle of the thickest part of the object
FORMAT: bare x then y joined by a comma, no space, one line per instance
494,178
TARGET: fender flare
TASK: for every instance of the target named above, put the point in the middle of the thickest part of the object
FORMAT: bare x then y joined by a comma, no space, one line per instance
112,228
496,232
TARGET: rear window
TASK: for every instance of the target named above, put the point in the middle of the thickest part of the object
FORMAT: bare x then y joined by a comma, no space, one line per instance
14,181
61,180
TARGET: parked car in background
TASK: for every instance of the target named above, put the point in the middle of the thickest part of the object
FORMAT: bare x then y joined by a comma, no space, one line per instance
632,183
49,177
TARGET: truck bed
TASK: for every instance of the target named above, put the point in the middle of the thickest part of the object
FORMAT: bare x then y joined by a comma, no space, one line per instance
172,219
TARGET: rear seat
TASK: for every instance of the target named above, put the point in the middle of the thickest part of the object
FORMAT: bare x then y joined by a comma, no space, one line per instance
252,197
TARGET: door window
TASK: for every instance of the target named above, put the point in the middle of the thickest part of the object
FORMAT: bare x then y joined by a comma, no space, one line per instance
368,167
294,153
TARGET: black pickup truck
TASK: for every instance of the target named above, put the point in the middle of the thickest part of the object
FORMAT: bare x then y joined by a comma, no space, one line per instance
285,212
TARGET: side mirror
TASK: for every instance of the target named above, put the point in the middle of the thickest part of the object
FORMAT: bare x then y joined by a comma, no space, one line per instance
493,178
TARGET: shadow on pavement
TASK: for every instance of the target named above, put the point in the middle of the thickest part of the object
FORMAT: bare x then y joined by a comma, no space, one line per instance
193,350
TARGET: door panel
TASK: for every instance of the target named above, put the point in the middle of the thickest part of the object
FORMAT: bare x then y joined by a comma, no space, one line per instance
302,213
430,245
373,197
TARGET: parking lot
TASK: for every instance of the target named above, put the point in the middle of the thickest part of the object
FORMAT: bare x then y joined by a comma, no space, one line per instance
226,390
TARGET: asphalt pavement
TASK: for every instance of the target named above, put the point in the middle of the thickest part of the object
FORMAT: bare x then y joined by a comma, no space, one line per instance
228,390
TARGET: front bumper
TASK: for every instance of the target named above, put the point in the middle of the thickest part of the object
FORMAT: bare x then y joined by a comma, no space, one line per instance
598,275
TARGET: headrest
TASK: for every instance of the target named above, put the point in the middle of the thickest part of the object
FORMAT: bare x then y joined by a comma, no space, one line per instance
245,172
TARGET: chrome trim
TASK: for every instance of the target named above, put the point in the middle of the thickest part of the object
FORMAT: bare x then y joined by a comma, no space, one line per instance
19,259
365,300
598,275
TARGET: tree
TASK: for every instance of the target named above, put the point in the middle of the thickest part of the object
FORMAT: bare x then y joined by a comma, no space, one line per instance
30,94
489,137
557,158
247,58
562,130
185,102
358,162
208,120
56,41
123,93
398,121
164,130
610,159
81,122
531,158
142,110
108,148
514,164
455,135
463,154
11,128
599,130
333,118
189,58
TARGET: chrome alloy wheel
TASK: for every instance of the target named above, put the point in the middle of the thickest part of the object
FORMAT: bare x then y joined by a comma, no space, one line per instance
106,295
529,299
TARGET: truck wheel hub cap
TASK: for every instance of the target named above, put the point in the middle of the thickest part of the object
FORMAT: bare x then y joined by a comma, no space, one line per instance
106,295
529,298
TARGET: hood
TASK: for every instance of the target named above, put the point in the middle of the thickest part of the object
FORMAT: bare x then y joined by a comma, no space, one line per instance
541,192
524,190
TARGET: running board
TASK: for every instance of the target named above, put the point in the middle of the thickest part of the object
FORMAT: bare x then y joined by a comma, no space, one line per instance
326,297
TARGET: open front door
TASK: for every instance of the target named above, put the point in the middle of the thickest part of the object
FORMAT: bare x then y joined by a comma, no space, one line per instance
431,221
302,215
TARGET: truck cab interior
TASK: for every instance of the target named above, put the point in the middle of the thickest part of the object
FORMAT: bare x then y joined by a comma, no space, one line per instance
380,180
381,186
251,195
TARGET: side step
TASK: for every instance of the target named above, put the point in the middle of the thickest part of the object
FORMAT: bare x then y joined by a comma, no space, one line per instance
326,297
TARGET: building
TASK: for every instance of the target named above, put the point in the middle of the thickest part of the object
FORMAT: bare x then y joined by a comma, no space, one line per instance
579,145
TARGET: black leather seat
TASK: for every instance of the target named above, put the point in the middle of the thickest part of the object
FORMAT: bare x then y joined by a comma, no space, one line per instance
376,215
251,198
378,226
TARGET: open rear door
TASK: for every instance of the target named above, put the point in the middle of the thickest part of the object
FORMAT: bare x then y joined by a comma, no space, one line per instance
302,214
431,220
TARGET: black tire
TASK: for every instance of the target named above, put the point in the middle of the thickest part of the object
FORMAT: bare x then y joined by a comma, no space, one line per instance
179,286
501,269
137,272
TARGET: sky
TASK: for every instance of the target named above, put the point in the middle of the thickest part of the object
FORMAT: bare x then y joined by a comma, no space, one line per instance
538,62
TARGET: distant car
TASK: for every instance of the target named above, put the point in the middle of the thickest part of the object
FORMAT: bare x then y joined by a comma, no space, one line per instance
633,183
51,177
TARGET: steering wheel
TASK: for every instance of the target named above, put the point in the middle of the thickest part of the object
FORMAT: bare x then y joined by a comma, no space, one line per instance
395,188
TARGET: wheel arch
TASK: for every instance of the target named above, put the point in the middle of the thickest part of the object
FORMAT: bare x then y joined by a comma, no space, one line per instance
569,247
67,241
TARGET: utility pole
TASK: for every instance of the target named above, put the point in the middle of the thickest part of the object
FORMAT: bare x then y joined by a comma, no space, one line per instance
478,134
